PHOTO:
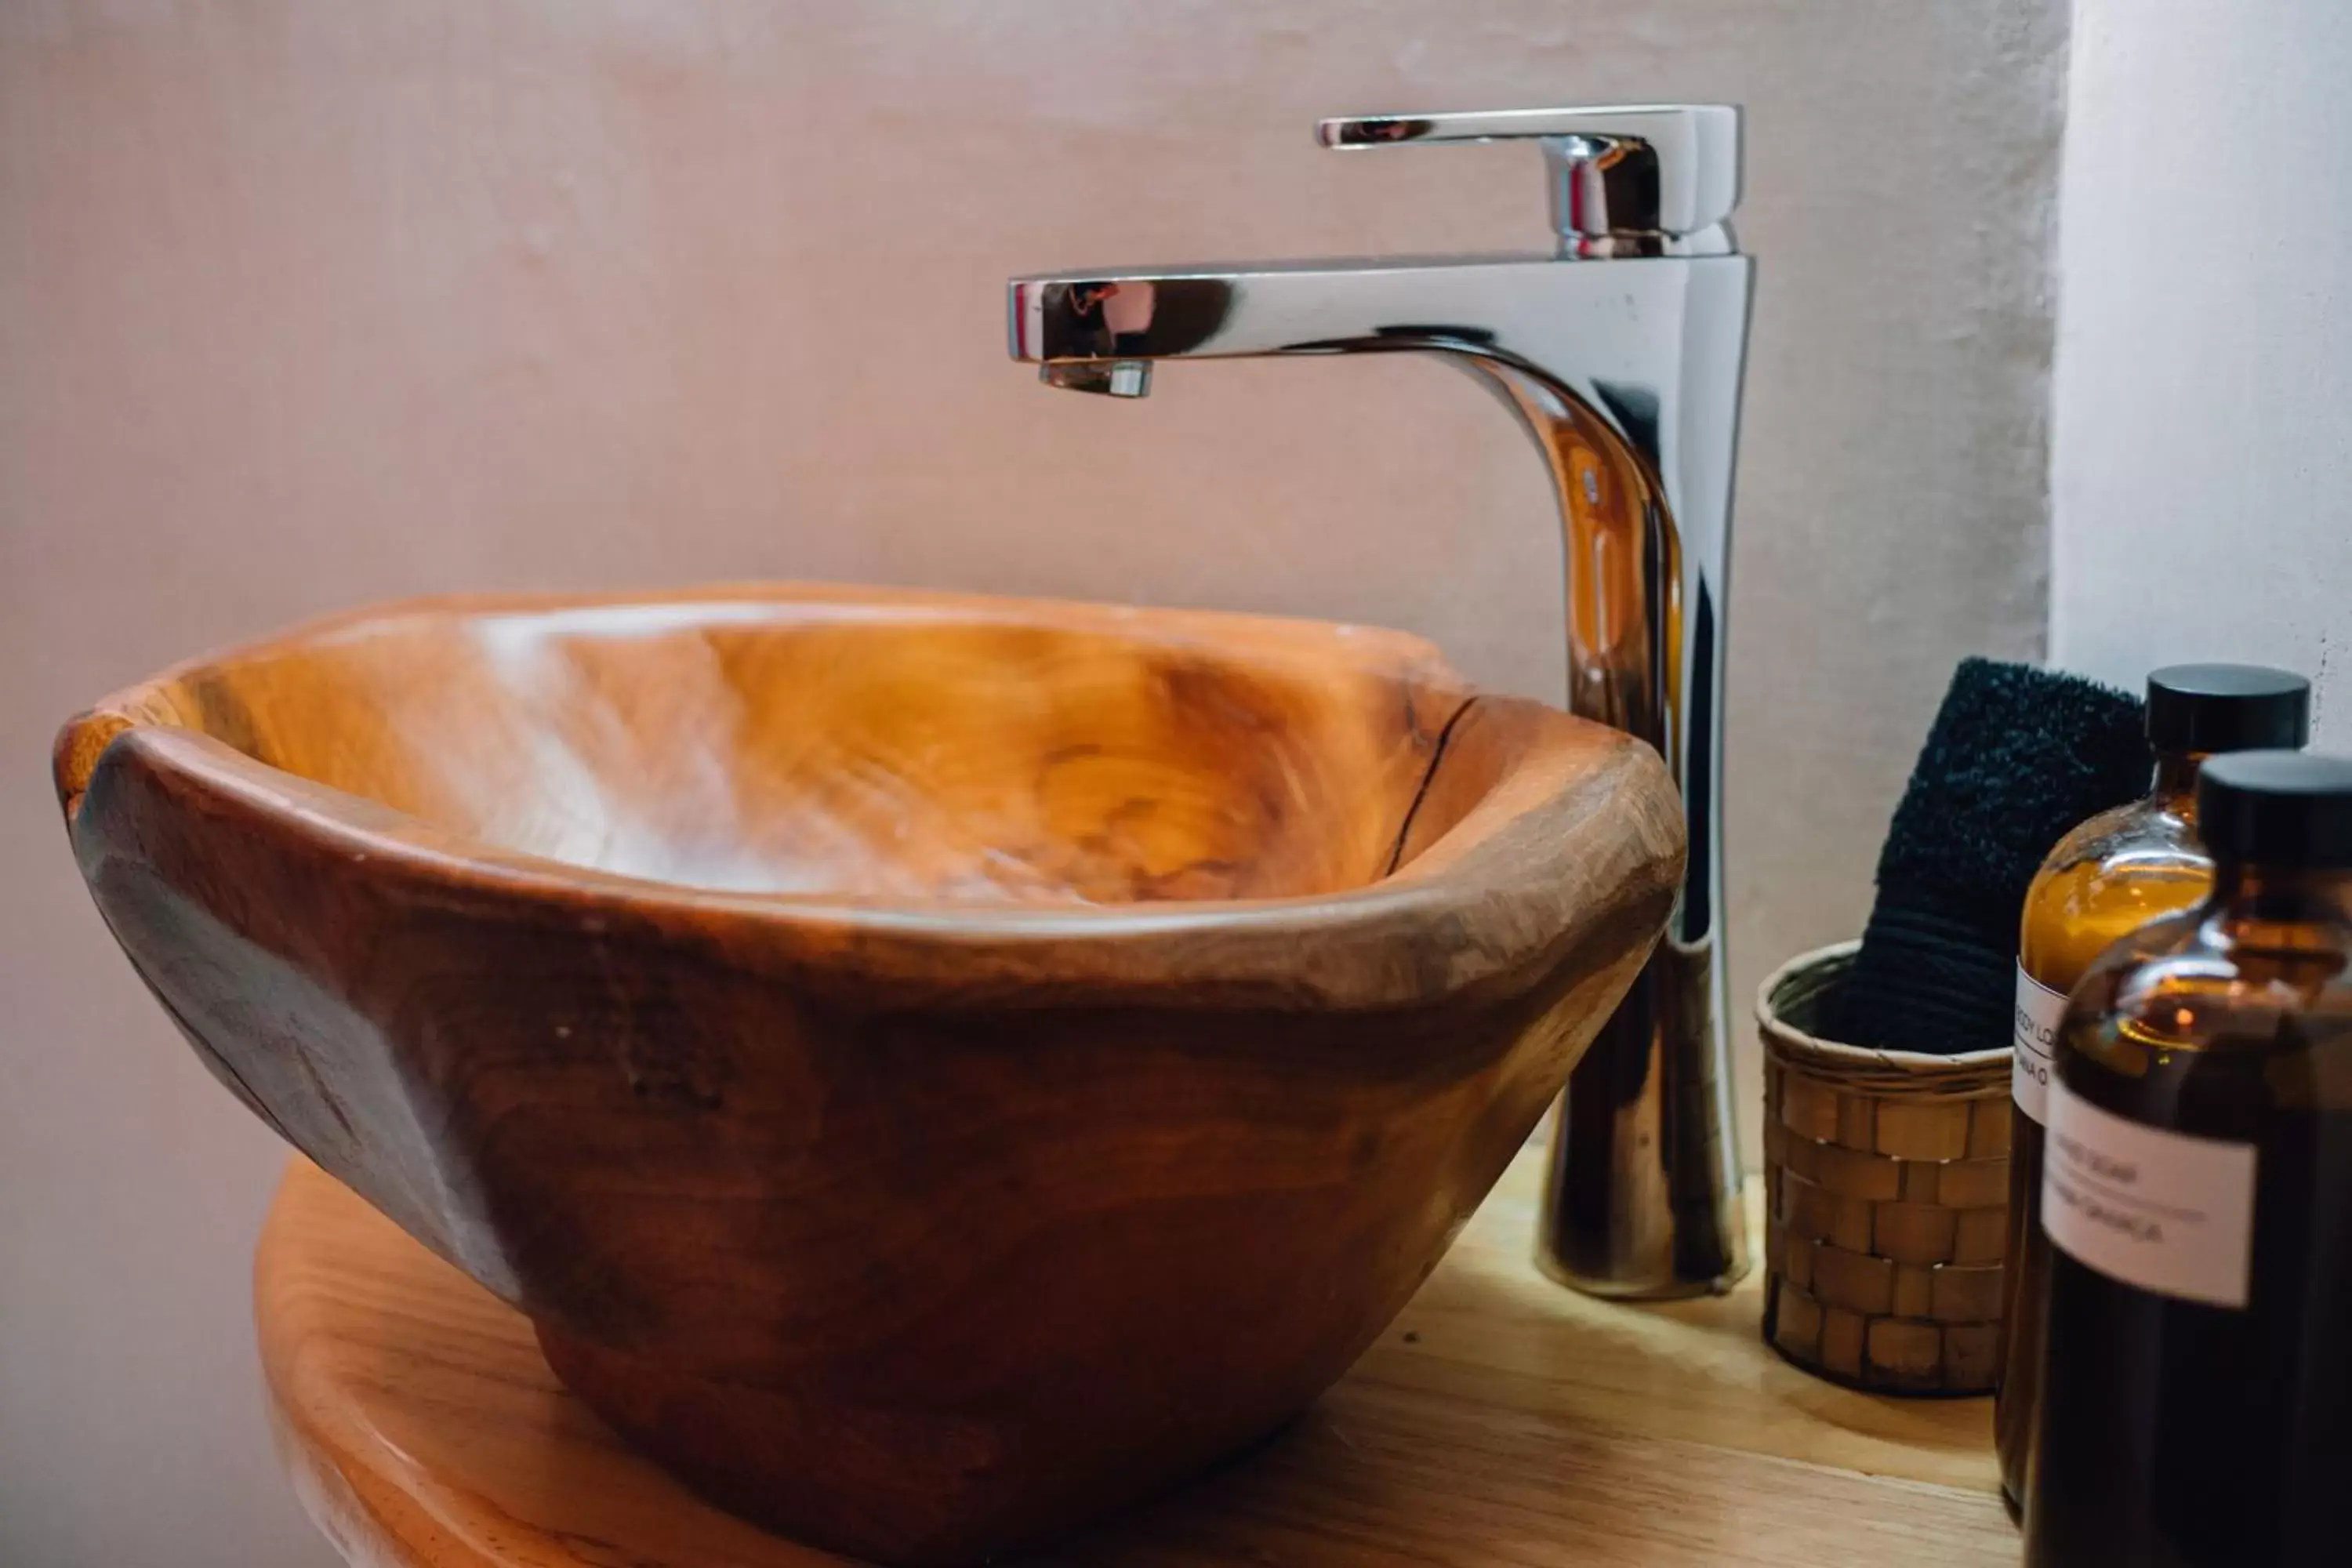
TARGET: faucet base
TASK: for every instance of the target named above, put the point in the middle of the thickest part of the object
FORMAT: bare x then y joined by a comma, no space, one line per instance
1643,1200
1602,1289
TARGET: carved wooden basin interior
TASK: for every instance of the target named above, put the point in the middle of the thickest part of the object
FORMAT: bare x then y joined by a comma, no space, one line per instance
934,1069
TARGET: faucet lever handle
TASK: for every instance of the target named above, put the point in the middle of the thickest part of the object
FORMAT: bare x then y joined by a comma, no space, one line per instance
1633,180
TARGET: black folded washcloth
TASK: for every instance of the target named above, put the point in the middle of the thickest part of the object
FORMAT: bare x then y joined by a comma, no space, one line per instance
2017,757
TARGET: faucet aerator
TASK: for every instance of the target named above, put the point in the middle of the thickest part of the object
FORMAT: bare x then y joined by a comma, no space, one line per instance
1111,377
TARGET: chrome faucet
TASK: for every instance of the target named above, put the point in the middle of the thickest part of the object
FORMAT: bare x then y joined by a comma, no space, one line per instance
1620,353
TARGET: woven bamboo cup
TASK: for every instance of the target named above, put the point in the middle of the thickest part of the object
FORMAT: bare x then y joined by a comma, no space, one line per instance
1886,1175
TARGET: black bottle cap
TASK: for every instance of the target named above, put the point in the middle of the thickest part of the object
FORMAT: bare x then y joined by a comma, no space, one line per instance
2283,808
2213,708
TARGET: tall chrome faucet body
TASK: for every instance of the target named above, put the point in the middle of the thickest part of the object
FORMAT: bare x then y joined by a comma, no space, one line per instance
1620,353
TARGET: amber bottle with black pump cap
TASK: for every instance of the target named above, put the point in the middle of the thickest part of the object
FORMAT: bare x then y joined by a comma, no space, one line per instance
2110,876
2196,1403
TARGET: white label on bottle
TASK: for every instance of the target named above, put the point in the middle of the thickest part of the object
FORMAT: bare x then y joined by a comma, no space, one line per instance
2039,1008
2148,1206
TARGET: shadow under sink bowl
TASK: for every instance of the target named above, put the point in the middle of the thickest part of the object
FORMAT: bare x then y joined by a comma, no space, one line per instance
934,1069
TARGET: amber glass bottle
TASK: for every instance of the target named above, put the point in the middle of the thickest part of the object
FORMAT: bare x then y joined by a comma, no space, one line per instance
2106,879
2196,1406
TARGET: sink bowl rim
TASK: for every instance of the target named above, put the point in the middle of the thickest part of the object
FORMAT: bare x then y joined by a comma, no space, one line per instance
1521,854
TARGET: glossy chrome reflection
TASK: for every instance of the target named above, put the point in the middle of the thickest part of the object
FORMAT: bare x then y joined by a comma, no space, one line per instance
1620,353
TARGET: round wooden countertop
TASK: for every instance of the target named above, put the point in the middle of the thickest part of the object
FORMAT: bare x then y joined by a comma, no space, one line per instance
1502,1419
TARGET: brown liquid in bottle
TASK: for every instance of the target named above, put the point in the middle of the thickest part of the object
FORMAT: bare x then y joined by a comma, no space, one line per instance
2173,1431
2105,880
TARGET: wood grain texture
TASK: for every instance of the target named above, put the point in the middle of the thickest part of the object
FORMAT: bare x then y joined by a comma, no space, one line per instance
933,1069
1499,1420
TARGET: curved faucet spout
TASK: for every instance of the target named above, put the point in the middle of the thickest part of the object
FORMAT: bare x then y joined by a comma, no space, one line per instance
1625,373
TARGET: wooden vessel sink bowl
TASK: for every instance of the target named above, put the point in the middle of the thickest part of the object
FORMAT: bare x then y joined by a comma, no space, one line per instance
933,1069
